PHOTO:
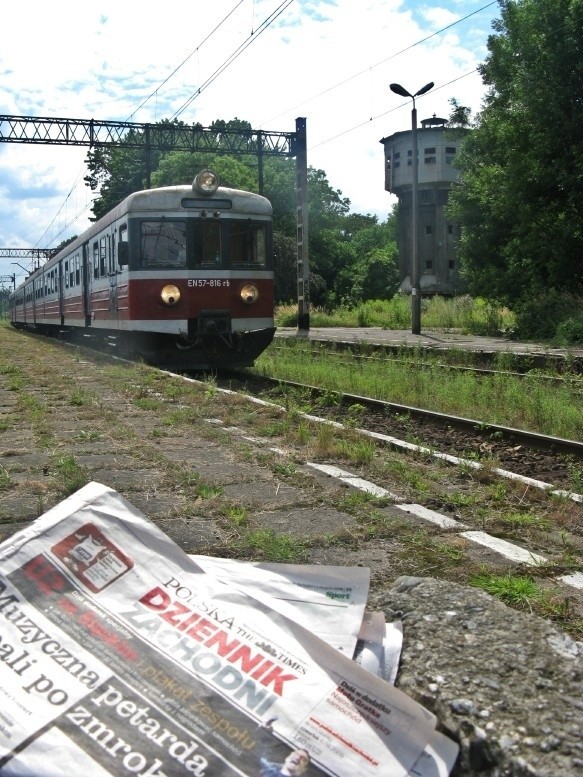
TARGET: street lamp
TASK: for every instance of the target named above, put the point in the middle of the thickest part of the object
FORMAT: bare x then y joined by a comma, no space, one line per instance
415,283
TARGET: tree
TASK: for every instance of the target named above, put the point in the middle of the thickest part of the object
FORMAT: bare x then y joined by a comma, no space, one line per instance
351,255
521,185
374,273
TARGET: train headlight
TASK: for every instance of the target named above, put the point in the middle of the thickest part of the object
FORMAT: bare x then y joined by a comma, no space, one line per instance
206,182
170,294
249,293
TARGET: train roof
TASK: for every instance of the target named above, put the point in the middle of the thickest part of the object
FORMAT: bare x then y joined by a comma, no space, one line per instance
167,198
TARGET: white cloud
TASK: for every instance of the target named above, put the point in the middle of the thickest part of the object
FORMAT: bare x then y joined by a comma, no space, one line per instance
329,61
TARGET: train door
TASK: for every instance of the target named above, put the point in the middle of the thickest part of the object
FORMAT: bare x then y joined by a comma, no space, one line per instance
112,275
86,276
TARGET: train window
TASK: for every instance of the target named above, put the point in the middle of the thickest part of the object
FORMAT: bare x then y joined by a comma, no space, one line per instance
247,243
207,243
122,246
77,270
163,244
95,260
111,253
67,274
102,256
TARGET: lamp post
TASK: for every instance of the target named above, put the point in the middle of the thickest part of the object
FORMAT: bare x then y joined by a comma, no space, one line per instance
415,282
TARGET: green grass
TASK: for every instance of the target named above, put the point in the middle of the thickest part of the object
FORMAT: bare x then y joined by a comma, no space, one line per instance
526,403
516,590
475,316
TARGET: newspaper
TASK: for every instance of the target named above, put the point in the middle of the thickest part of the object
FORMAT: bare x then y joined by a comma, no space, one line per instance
327,600
119,656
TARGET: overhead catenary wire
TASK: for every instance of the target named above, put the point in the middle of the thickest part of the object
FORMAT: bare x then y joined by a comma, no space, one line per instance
186,59
251,38
381,62
240,49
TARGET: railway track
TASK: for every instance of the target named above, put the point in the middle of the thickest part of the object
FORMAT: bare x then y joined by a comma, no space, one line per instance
546,459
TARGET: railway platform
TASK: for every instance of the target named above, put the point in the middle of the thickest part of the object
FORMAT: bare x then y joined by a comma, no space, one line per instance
438,339
202,465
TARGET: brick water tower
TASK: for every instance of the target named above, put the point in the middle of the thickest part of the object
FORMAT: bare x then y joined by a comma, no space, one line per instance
437,235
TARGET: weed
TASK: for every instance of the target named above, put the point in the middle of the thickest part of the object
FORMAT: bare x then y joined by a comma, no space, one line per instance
516,590
303,433
576,477
156,433
520,520
73,476
237,514
272,546
208,491
15,382
497,491
88,435
148,403
5,479
329,399
211,389
354,414
79,398
285,468
358,451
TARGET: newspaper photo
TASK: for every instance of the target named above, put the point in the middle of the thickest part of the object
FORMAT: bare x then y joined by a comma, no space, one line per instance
120,655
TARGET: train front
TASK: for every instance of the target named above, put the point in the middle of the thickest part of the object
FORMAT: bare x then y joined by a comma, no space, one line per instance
200,275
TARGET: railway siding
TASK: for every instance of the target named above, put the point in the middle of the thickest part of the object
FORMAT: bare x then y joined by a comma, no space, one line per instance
506,684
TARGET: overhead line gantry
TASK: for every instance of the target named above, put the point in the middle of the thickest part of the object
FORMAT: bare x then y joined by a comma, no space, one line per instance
168,136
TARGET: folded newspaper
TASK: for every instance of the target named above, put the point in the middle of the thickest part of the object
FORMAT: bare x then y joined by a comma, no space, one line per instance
122,655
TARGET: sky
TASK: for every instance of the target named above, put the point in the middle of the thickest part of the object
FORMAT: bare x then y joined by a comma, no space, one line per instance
264,61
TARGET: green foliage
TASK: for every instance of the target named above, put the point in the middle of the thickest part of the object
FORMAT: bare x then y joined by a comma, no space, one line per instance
517,590
521,184
476,316
352,256
550,315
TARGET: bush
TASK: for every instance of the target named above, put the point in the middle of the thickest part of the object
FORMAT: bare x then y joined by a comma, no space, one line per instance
570,331
550,316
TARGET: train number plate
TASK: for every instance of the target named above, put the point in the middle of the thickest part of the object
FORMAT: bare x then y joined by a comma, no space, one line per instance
200,283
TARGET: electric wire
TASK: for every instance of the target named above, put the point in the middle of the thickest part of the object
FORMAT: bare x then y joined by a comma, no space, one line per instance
381,62
238,51
252,37
184,61
385,113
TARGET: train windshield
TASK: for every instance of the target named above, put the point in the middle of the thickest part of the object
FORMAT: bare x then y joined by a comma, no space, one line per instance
247,244
163,244
202,243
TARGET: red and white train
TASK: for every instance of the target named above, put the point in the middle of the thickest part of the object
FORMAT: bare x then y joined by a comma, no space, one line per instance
181,276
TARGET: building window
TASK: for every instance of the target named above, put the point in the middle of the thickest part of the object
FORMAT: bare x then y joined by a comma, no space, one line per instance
429,264
430,150
428,229
430,160
450,229
450,149
451,264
